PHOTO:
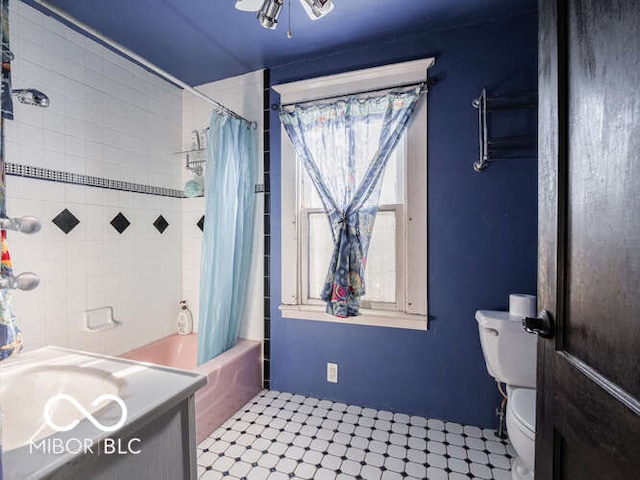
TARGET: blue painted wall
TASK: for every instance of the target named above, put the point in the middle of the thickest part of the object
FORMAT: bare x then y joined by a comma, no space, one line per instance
482,238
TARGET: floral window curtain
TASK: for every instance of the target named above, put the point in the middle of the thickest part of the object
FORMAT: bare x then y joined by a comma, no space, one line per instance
10,335
344,147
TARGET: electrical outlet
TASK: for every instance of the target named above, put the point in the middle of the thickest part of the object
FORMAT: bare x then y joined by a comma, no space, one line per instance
332,372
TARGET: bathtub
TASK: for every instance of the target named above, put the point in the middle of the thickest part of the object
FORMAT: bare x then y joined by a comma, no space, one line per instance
233,378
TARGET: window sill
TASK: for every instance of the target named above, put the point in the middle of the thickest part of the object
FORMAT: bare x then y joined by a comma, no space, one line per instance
373,318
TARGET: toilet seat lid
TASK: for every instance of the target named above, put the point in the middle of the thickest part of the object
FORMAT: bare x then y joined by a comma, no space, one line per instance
523,406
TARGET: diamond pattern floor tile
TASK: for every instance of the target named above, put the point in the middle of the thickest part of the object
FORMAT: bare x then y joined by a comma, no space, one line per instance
281,436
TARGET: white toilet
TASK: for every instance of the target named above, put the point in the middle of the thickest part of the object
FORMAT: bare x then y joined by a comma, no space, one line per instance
510,355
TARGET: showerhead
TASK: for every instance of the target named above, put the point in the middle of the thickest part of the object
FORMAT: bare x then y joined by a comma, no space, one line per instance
31,96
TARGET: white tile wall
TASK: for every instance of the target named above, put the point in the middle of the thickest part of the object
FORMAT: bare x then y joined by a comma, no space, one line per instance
108,117
242,94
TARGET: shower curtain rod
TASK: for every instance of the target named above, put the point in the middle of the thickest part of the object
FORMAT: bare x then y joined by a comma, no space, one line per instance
138,59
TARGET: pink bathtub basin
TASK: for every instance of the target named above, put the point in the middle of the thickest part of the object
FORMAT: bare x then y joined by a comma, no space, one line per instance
233,378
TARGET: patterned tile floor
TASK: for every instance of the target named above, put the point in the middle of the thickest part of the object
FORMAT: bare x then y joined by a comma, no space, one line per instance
281,436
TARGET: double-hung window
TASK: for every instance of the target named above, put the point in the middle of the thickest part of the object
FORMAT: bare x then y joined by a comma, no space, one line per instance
396,269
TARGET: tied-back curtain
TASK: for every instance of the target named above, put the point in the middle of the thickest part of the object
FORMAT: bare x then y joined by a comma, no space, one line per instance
344,147
228,233
10,335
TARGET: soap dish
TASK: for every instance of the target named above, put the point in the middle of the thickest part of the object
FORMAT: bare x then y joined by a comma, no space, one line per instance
99,319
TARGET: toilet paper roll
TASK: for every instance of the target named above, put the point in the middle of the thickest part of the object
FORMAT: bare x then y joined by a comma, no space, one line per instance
522,305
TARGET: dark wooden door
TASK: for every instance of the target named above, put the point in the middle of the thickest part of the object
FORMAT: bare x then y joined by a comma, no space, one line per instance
588,409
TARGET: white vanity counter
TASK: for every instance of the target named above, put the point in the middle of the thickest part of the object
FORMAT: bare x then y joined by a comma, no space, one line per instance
52,429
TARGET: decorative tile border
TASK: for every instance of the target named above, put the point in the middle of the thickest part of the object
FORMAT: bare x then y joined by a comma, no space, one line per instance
266,112
60,176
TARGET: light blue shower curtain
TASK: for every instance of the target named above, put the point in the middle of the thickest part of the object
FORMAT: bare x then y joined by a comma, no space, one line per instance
228,233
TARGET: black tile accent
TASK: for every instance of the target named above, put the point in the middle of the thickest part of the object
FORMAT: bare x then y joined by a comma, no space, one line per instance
267,162
267,304
66,221
200,223
161,224
267,143
120,223
267,226
266,156
267,370
267,264
267,328
266,284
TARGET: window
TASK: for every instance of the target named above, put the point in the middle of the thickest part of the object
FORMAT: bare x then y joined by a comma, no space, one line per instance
384,271
396,272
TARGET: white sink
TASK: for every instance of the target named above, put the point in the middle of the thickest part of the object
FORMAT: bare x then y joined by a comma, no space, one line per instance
25,394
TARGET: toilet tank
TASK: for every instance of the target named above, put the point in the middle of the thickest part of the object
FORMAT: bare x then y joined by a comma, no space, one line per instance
509,351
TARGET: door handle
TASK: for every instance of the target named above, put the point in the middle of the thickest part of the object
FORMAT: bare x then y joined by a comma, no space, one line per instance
541,325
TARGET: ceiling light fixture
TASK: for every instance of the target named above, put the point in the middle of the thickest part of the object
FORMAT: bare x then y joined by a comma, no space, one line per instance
317,8
269,13
249,5
269,10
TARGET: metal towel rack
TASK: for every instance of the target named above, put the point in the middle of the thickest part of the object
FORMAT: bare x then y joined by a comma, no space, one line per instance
501,148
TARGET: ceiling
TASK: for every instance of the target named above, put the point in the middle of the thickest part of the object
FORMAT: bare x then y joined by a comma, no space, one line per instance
200,41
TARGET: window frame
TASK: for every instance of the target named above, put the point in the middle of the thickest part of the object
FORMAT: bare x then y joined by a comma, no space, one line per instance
303,265
411,295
